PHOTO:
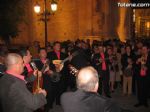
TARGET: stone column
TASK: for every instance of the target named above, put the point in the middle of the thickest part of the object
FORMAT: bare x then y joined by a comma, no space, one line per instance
123,28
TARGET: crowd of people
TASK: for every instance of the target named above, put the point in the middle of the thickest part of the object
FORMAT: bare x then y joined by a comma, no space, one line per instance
51,71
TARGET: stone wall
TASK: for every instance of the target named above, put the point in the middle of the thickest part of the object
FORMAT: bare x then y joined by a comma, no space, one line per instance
73,19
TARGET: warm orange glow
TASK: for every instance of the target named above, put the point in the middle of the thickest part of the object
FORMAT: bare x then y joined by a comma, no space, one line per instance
148,25
121,30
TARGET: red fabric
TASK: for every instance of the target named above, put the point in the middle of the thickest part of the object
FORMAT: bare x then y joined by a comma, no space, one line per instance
58,54
29,68
143,72
16,75
103,62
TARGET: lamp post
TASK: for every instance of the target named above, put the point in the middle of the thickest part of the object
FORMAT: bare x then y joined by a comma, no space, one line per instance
46,13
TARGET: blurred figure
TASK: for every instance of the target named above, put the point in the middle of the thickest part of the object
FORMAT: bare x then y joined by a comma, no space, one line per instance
81,59
19,98
117,66
143,77
111,69
49,48
43,65
4,48
127,78
58,86
127,61
29,72
86,98
101,62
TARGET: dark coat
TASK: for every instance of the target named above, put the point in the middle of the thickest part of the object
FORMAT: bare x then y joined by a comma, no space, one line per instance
46,77
124,60
15,97
98,65
53,56
81,59
138,68
2,68
81,101
28,78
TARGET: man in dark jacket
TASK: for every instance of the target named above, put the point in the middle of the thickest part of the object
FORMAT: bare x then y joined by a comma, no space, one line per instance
86,98
58,82
14,95
43,65
81,59
101,63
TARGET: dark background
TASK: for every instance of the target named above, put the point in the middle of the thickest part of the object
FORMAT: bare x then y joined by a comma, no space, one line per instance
140,1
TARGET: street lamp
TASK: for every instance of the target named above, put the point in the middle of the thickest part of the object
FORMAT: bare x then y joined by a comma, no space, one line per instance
37,8
54,6
45,14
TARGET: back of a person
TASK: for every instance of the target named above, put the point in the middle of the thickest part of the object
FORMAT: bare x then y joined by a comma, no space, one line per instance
86,98
14,95
81,101
74,102
80,60
8,102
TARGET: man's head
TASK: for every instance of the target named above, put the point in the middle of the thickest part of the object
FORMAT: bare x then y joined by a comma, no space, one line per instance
49,48
42,53
26,55
128,49
87,79
79,44
144,50
109,51
14,63
96,50
101,48
57,46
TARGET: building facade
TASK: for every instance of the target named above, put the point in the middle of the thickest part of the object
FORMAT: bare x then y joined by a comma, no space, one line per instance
93,19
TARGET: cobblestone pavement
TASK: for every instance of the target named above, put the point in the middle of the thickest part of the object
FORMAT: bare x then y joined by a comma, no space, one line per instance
126,102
